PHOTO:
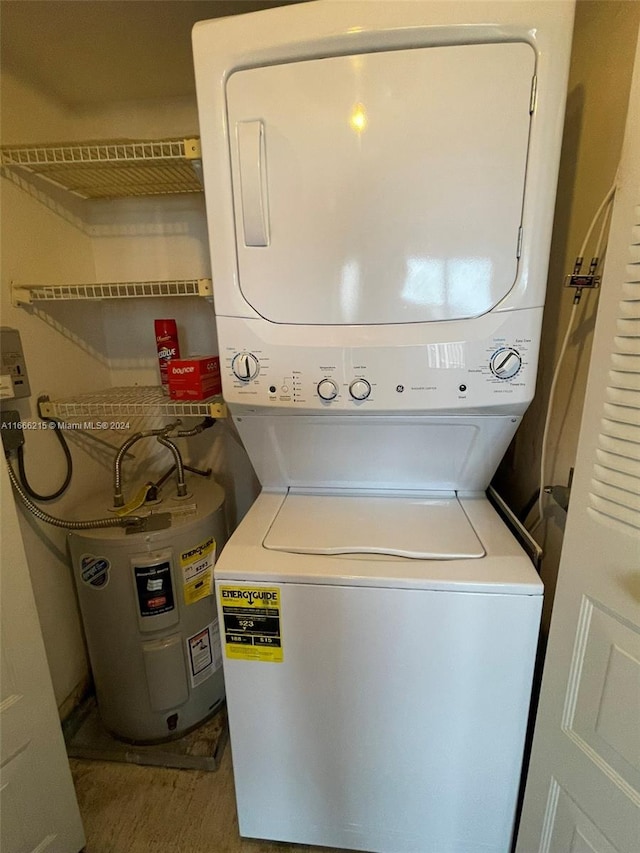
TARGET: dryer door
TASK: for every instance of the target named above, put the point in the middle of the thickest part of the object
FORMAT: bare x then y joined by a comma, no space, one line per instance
381,188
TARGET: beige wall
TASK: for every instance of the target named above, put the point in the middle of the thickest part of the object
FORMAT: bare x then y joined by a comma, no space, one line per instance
605,35
46,242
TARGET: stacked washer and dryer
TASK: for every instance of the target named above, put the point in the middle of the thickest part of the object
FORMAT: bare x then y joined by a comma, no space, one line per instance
380,181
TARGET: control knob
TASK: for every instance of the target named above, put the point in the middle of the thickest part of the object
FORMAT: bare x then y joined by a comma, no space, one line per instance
359,389
505,363
245,366
327,389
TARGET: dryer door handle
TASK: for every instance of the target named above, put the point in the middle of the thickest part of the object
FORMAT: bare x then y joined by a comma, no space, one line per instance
253,182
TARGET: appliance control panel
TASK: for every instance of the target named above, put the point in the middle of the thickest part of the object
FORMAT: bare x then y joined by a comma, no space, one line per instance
496,371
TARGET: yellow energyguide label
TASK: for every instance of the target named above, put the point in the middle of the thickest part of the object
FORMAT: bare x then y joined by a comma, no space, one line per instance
197,570
251,622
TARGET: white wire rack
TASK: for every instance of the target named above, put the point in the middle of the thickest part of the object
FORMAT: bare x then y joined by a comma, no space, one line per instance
138,401
26,294
116,169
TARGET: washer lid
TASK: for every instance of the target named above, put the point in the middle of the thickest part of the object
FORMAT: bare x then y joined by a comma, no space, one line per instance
422,527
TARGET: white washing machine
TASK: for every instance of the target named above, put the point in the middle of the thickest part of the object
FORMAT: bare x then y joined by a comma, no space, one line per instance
380,181
377,701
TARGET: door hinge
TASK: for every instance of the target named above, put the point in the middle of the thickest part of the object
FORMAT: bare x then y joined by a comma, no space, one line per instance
534,92
519,246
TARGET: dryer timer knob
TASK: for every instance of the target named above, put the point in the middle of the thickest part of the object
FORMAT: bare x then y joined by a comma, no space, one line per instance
505,363
245,366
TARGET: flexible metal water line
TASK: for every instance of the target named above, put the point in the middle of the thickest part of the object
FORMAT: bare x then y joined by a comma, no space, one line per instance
205,424
182,486
162,436
116,521
118,497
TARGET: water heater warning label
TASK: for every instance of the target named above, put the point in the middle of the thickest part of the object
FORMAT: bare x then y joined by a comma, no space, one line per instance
203,650
251,623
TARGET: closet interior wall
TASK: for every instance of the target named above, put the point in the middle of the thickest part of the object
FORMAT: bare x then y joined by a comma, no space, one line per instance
50,236
603,50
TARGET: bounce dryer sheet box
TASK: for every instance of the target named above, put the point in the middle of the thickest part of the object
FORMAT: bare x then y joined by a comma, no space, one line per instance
195,378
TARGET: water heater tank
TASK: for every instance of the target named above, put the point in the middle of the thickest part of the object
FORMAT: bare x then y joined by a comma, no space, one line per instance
148,608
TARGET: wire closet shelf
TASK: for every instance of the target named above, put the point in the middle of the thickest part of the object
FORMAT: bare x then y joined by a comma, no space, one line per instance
116,169
26,294
137,401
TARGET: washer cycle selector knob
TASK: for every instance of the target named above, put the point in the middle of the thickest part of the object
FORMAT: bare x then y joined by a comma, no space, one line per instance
505,363
359,389
245,366
327,389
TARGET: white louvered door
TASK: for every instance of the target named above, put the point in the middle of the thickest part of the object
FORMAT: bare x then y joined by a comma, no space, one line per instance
37,798
583,786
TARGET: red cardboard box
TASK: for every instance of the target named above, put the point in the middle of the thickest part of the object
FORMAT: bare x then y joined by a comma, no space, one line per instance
196,378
